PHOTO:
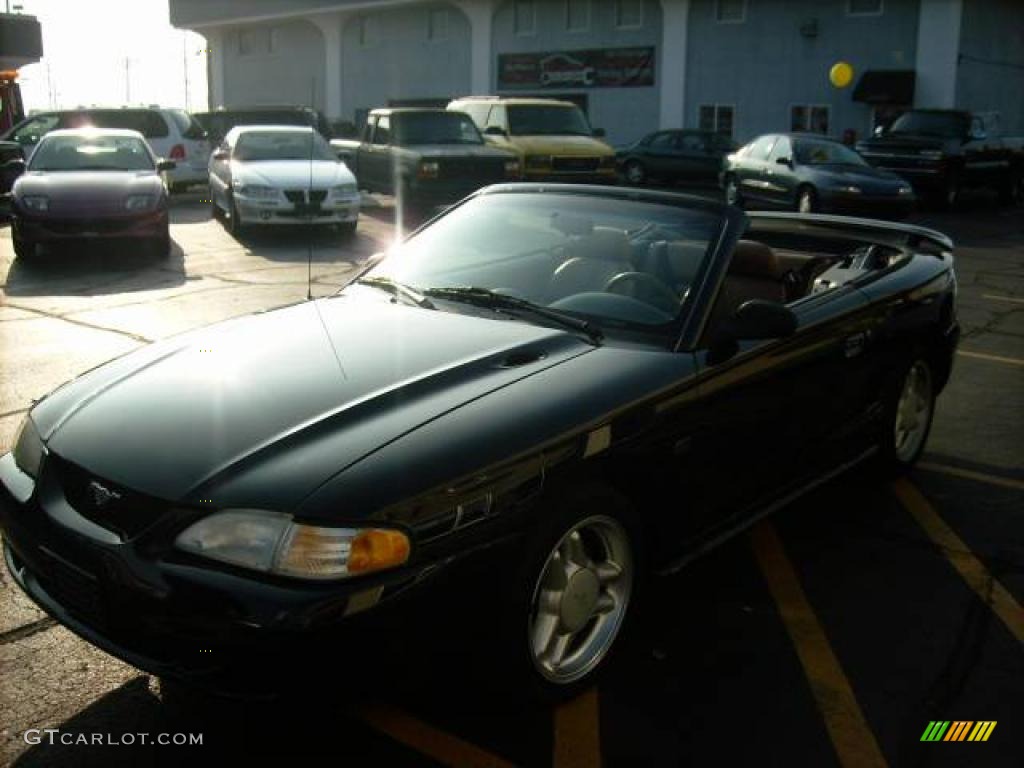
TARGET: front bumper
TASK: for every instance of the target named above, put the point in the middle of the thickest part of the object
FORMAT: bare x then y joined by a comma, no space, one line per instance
216,628
256,211
607,175
49,229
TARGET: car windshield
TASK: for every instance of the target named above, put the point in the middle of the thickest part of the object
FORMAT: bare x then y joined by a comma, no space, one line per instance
947,125
257,146
544,120
414,128
814,152
613,262
93,152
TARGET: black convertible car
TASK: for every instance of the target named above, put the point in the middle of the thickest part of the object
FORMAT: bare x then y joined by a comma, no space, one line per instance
534,401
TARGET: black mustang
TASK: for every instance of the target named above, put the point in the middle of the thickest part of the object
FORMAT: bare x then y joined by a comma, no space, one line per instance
537,398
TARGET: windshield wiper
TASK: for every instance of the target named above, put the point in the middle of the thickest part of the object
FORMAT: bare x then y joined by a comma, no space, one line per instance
398,290
485,297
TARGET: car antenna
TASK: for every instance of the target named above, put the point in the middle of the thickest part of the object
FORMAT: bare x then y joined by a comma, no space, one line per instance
309,200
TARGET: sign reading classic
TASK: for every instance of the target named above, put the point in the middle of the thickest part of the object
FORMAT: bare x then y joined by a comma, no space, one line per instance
597,68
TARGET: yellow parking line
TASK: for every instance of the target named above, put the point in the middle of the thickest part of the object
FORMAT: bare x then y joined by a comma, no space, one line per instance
991,358
969,474
970,568
578,732
1013,299
428,740
851,736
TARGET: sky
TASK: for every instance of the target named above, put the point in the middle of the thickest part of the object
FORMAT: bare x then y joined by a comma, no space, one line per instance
86,44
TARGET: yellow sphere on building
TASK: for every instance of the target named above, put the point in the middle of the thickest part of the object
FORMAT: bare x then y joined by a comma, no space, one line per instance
841,74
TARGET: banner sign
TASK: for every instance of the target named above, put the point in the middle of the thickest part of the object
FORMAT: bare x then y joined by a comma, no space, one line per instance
598,68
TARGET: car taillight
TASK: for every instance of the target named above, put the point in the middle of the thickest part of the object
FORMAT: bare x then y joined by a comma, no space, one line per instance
177,152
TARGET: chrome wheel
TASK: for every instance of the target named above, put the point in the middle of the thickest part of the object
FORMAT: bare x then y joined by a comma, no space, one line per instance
732,191
580,599
805,203
635,173
913,412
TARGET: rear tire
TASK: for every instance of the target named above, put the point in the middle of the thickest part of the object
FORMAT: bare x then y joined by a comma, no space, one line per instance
733,196
908,411
807,200
949,195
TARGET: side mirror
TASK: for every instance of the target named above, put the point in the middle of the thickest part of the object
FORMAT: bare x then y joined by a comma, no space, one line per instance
879,131
219,155
166,165
760,319
977,134
786,161
599,133
495,130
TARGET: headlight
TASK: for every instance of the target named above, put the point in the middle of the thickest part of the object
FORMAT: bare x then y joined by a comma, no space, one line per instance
538,161
512,169
255,190
36,203
428,170
906,190
849,189
272,543
28,448
931,154
139,202
344,190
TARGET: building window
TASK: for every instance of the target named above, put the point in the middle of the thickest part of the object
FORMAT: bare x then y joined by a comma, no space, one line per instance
717,118
525,17
367,31
577,15
437,24
811,118
730,11
629,14
255,41
864,7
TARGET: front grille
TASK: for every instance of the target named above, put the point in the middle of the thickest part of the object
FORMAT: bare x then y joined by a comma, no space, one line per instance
77,590
295,195
105,503
316,196
575,164
78,226
472,169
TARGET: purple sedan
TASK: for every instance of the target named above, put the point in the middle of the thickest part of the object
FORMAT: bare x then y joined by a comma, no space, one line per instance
90,184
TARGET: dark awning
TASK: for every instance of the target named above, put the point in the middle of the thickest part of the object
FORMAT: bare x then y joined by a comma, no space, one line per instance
885,86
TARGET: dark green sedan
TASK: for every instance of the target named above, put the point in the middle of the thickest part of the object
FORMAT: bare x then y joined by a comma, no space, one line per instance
674,156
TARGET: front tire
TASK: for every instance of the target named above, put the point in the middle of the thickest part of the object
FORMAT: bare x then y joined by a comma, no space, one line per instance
635,173
573,595
24,249
909,409
1011,192
235,226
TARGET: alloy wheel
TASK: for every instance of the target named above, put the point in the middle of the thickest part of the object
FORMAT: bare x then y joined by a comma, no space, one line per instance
580,599
805,203
913,412
635,173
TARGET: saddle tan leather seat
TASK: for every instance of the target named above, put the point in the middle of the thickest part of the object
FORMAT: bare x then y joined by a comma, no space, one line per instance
754,273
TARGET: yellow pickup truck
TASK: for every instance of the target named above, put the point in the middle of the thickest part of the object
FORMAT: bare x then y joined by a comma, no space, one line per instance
553,138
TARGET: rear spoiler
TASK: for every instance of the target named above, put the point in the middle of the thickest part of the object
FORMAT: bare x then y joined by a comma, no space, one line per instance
881,232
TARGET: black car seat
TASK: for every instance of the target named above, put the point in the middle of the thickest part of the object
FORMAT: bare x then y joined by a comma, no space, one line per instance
753,273
591,262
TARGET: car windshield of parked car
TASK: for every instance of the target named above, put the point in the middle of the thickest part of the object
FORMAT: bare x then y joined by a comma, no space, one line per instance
258,146
608,260
92,153
416,128
811,152
543,120
940,124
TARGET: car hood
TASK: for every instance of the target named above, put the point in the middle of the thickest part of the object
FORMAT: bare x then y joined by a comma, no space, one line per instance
292,173
87,193
460,150
260,396
866,177
562,145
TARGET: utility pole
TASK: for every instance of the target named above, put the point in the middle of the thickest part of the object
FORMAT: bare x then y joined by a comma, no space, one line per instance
184,62
127,81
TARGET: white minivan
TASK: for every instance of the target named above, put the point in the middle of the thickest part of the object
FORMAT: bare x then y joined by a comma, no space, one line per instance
172,133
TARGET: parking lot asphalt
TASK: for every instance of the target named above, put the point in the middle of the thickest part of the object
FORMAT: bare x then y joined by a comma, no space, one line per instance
832,634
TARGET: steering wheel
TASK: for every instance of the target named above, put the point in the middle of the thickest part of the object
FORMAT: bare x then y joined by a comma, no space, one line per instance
647,288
